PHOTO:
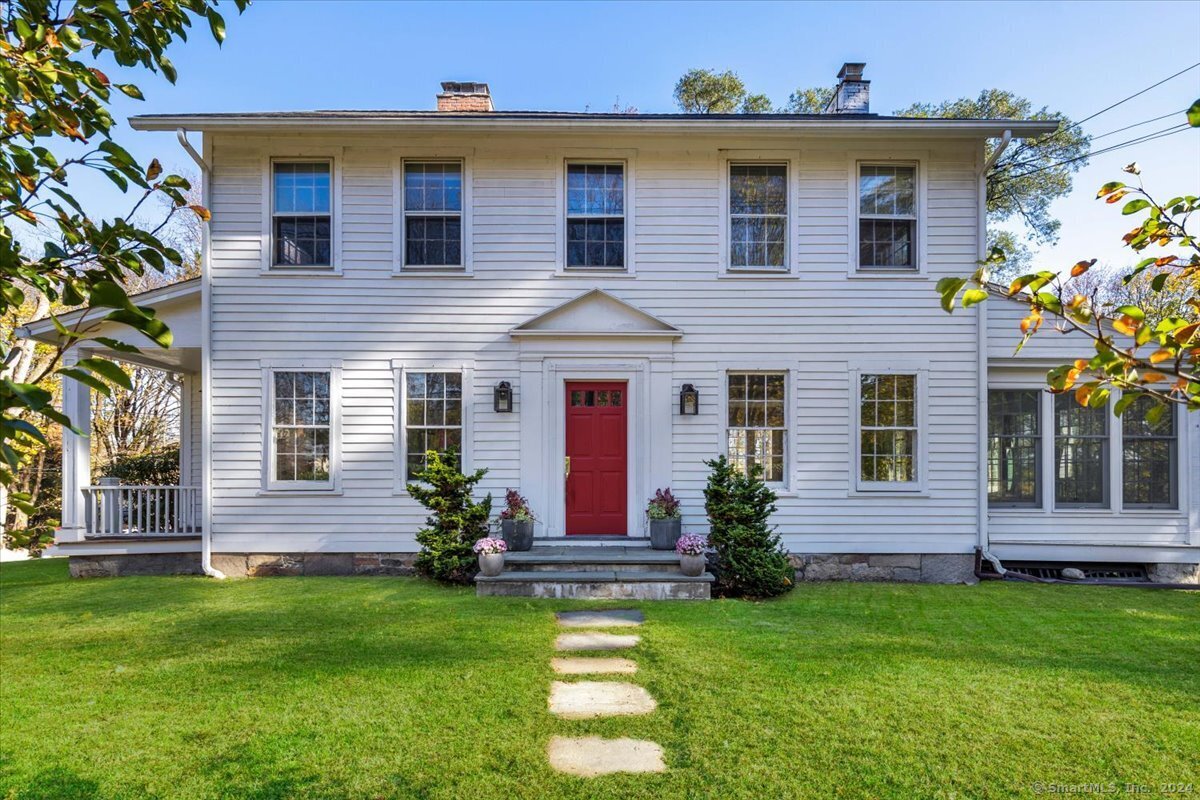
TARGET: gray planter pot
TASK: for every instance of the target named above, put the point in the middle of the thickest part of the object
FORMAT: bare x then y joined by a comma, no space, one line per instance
664,533
517,535
692,566
491,564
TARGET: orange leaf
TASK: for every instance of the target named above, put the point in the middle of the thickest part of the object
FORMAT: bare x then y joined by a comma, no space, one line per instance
1126,325
1081,267
1153,377
201,212
1160,355
1083,393
1115,196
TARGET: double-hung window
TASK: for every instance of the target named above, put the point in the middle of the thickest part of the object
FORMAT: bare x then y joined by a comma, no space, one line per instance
756,432
888,433
758,213
595,216
1081,457
433,209
887,216
1149,455
301,428
1014,447
433,417
301,214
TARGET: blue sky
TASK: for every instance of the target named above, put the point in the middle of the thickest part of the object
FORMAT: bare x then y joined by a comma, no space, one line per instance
1073,57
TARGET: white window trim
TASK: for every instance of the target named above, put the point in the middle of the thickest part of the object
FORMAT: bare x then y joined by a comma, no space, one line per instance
332,156
786,486
1116,507
628,159
918,159
463,157
920,486
269,484
789,159
400,370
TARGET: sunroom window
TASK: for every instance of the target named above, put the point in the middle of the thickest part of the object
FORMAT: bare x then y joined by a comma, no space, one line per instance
1081,458
1014,447
1149,453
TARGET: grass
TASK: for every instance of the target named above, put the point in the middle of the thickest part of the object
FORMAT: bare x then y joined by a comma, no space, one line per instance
382,687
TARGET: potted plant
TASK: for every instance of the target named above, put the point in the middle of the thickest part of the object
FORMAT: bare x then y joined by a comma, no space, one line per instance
691,547
491,555
665,519
516,521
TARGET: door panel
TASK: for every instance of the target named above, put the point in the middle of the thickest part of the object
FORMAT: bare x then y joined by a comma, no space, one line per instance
597,449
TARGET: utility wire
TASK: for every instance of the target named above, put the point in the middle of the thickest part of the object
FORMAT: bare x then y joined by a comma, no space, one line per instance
1135,94
1138,124
1161,134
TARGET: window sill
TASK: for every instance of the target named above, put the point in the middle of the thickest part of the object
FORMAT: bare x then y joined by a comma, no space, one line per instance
887,275
416,272
563,272
757,274
298,492
301,271
889,493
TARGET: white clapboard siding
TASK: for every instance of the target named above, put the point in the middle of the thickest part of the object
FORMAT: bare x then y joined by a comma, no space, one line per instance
818,326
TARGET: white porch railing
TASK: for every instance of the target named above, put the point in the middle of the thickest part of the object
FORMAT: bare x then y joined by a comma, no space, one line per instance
141,510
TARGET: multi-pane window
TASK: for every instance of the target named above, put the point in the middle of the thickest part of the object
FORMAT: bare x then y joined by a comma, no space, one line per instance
433,201
301,216
887,216
757,216
596,216
1148,456
433,413
757,422
888,428
1080,453
300,427
1014,447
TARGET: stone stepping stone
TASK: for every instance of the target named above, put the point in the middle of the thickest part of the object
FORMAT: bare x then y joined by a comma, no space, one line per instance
600,619
593,666
591,699
594,641
590,756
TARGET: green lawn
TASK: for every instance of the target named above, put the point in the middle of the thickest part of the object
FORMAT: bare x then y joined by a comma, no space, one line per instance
389,687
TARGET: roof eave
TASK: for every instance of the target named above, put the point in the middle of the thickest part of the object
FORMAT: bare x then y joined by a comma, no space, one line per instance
833,125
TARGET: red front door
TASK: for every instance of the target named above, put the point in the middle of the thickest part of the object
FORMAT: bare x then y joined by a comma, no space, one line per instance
596,466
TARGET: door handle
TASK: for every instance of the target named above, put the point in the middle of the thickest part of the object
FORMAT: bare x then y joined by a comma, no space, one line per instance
567,467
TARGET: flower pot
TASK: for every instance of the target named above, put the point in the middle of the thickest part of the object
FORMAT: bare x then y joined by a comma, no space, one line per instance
664,533
517,535
491,564
692,566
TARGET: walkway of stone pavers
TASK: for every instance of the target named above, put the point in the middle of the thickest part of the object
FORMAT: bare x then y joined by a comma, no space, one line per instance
589,756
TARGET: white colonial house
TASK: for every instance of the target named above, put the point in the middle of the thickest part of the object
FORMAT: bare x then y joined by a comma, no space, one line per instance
592,305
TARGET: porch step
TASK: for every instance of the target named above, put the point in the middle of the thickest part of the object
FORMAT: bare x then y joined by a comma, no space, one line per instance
592,559
596,584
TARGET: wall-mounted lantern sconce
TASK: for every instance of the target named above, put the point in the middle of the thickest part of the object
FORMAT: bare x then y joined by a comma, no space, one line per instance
689,401
502,397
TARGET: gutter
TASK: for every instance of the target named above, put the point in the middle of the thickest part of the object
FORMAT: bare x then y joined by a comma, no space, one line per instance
205,365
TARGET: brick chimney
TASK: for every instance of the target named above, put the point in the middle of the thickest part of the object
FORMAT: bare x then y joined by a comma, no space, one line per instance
853,94
464,96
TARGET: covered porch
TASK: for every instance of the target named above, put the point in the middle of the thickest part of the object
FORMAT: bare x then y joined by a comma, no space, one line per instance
100,513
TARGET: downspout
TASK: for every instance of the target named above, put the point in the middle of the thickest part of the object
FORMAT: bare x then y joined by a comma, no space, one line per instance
205,365
981,357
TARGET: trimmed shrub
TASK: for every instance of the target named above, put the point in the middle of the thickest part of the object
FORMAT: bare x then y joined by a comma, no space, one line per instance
152,468
455,522
750,560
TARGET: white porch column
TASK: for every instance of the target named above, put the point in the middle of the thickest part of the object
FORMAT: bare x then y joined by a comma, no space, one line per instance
76,453
664,404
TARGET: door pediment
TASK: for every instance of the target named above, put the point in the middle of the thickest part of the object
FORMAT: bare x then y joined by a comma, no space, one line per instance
596,314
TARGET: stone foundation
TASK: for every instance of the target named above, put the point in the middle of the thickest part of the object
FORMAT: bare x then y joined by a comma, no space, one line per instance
243,565
908,567
1174,573
139,564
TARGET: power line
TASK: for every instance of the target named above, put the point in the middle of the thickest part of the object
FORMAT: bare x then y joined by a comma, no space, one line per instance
1135,94
1161,134
1139,124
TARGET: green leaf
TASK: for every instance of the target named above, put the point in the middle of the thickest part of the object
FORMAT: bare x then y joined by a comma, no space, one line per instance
1133,312
1134,206
948,288
153,329
131,90
114,344
107,294
87,379
108,370
973,297
26,427
217,24
1127,399
1155,415
1193,115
